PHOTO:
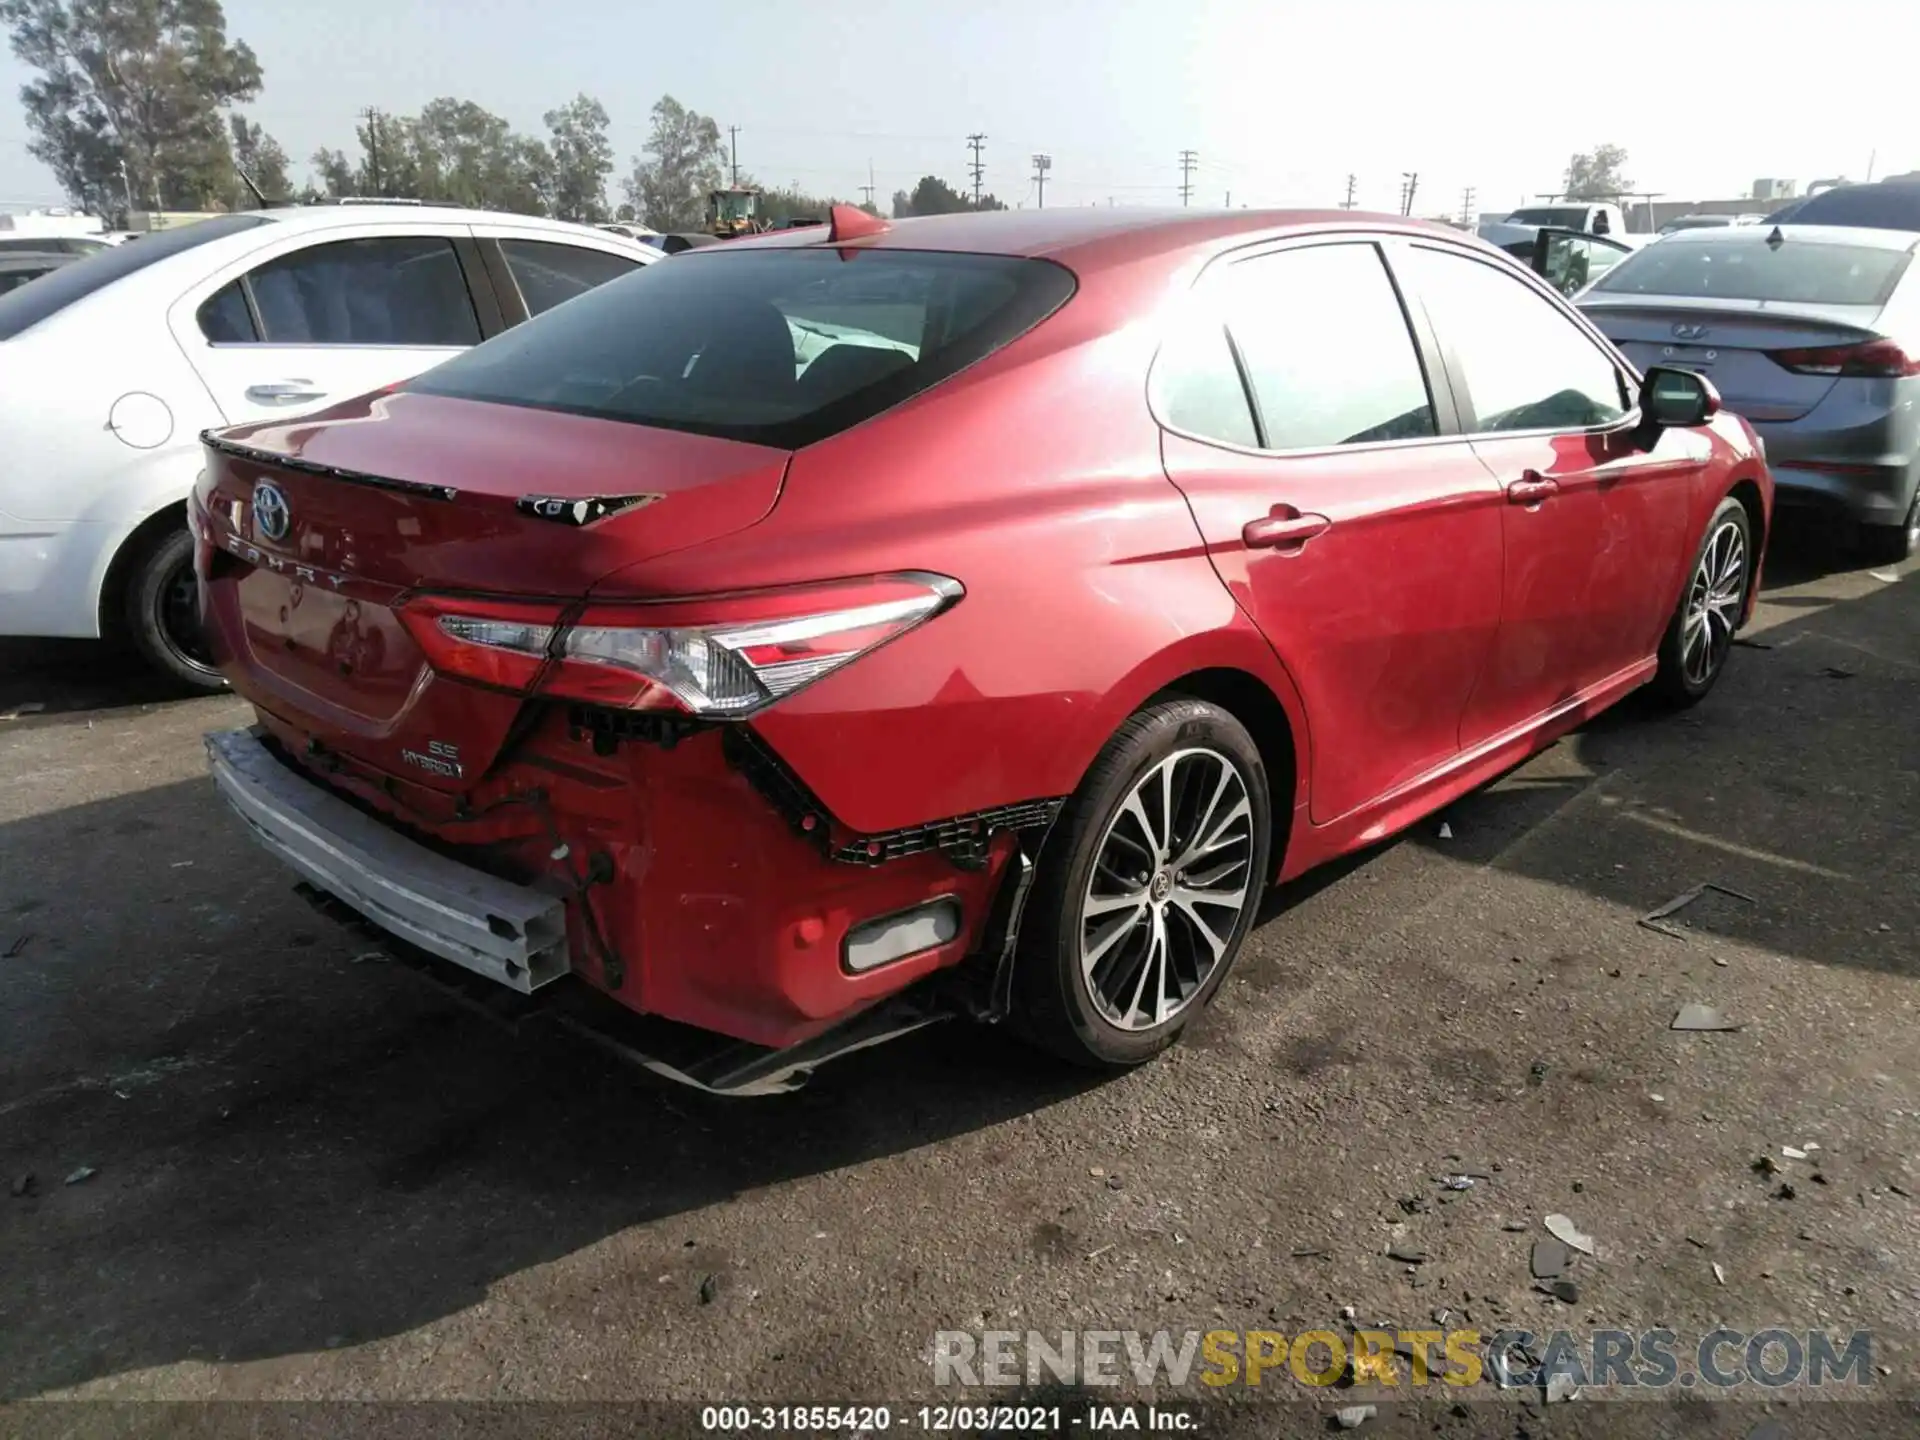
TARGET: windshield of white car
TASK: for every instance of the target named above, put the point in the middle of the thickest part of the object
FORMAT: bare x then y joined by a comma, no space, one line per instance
1739,264
1566,217
26,307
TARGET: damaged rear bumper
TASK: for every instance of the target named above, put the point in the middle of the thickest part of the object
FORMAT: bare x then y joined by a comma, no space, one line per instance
510,933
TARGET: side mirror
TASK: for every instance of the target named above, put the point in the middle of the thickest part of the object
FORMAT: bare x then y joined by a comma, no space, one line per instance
1672,399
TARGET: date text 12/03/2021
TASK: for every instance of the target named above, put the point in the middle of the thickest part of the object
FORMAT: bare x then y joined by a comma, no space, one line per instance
947,1419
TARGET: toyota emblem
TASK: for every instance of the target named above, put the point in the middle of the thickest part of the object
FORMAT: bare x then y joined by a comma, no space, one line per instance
271,516
1689,332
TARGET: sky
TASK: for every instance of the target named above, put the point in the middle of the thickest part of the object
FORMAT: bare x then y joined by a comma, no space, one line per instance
1281,102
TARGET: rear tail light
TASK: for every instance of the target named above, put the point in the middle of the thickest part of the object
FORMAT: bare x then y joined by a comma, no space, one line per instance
494,642
1879,359
720,658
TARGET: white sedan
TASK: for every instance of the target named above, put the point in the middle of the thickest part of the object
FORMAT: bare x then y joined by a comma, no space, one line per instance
110,368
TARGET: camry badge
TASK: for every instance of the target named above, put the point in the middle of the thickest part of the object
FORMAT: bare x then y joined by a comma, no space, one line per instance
272,517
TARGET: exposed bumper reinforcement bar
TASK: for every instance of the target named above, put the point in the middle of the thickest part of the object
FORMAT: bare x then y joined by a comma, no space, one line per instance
510,933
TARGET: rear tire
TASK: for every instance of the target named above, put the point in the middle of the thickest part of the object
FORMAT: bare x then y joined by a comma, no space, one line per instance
163,613
1134,922
1890,544
1700,636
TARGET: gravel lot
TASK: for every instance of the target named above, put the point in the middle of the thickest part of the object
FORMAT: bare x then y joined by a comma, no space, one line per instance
319,1179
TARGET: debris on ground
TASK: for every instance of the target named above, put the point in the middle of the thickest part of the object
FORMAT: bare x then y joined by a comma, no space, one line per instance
1834,672
23,1186
1565,1231
81,1175
1701,1017
1793,1152
1656,919
1537,1073
1406,1256
1446,831
20,943
1516,1226
1889,576
1549,1259
1566,1291
709,1287
370,957
1766,1165
1354,1416
1309,1254
1560,1387
1785,1192
1719,1275
1459,1182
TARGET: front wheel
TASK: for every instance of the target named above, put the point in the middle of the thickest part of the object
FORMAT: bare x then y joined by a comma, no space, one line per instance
1147,889
163,614
1700,637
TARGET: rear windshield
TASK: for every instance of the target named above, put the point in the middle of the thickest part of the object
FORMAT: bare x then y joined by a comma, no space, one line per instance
31,304
776,347
1873,207
1745,267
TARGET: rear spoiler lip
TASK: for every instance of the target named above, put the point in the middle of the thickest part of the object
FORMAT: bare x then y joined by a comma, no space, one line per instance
234,448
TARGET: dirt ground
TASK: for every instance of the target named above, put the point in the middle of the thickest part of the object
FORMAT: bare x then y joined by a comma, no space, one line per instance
316,1179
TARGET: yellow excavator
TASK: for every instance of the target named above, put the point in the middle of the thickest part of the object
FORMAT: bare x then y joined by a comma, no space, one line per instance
733,211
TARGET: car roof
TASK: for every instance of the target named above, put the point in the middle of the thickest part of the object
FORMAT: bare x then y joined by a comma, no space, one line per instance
1797,235
325,216
1087,237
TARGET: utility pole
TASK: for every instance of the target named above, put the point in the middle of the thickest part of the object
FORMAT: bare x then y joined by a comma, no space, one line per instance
1348,203
1188,159
1408,191
974,143
1229,204
1466,208
733,153
372,117
1041,165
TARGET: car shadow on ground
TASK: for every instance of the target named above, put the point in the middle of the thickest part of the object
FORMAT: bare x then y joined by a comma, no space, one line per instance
58,677
293,1151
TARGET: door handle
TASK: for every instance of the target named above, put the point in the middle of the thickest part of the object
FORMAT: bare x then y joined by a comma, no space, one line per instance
1531,488
284,392
1284,528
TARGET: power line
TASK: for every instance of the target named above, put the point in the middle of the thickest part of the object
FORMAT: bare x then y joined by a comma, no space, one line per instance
1041,165
1188,159
974,143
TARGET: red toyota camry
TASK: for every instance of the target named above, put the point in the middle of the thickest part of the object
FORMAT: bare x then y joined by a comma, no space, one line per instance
829,632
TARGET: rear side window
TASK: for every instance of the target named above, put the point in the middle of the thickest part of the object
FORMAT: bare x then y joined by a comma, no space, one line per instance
384,290
1327,349
778,347
225,319
1197,385
1744,267
550,274
29,305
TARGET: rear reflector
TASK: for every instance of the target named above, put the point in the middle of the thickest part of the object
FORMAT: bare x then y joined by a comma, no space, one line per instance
1878,359
895,937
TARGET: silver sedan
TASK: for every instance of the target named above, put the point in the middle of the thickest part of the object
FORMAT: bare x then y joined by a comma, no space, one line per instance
1810,331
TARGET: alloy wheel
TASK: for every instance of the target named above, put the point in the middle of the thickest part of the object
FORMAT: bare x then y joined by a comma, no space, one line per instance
1713,603
1171,880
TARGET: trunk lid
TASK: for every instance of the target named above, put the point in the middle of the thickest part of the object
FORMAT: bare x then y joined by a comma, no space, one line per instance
1728,340
323,527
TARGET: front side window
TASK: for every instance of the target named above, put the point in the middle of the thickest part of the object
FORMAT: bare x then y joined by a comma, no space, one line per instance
384,290
1525,364
1327,350
551,274
778,347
